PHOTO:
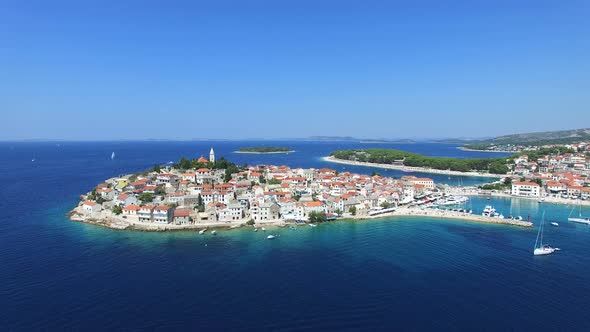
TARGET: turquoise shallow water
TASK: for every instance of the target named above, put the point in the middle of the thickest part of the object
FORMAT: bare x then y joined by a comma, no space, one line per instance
415,274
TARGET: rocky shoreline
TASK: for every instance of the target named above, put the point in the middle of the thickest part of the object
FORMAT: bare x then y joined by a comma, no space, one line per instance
113,222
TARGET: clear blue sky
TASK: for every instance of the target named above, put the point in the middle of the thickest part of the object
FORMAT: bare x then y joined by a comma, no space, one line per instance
242,69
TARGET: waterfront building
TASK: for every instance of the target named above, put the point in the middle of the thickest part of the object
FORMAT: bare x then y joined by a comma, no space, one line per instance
181,216
145,213
526,189
163,214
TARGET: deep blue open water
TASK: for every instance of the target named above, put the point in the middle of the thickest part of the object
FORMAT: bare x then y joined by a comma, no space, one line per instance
413,274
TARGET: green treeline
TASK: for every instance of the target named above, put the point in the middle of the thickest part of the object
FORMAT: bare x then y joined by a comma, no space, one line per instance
388,156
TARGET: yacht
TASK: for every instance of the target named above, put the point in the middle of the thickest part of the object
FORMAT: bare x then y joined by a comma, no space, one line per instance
489,211
453,200
270,237
554,224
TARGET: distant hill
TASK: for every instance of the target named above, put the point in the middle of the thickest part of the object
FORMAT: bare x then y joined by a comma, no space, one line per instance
361,140
332,138
542,138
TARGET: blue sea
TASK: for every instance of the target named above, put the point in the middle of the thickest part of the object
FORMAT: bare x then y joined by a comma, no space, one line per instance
406,274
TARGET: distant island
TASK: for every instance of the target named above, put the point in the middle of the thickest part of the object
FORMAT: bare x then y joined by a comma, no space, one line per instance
265,149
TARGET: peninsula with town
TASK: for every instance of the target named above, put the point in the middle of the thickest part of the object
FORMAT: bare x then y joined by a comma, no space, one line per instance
206,193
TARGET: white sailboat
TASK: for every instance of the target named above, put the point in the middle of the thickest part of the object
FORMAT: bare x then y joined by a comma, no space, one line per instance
542,249
113,155
579,219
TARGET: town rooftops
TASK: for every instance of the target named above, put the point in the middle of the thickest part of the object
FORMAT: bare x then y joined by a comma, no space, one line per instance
131,208
88,203
314,204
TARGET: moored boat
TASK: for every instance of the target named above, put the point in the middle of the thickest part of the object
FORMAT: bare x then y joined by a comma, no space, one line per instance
542,249
579,219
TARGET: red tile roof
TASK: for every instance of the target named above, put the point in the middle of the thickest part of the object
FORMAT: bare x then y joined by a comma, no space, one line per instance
131,208
181,213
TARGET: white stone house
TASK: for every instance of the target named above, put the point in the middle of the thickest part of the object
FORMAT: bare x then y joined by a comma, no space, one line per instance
526,189
91,207
126,199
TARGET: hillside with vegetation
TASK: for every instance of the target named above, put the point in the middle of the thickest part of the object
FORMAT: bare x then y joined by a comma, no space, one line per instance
390,156
534,139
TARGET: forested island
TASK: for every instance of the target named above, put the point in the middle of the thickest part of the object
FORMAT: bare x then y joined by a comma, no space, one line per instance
404,158
265,149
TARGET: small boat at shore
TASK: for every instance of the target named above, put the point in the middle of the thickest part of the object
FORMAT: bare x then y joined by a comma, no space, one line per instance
270,237
202,231
256,229
263,229
313,225
213,232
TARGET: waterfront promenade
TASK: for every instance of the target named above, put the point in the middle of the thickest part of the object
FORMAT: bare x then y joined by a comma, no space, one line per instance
474,191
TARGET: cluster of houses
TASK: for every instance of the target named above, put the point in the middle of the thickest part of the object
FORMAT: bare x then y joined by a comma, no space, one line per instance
566,175
579,147
258,193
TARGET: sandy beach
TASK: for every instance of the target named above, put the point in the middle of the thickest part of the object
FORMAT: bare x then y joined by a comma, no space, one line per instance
411,169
